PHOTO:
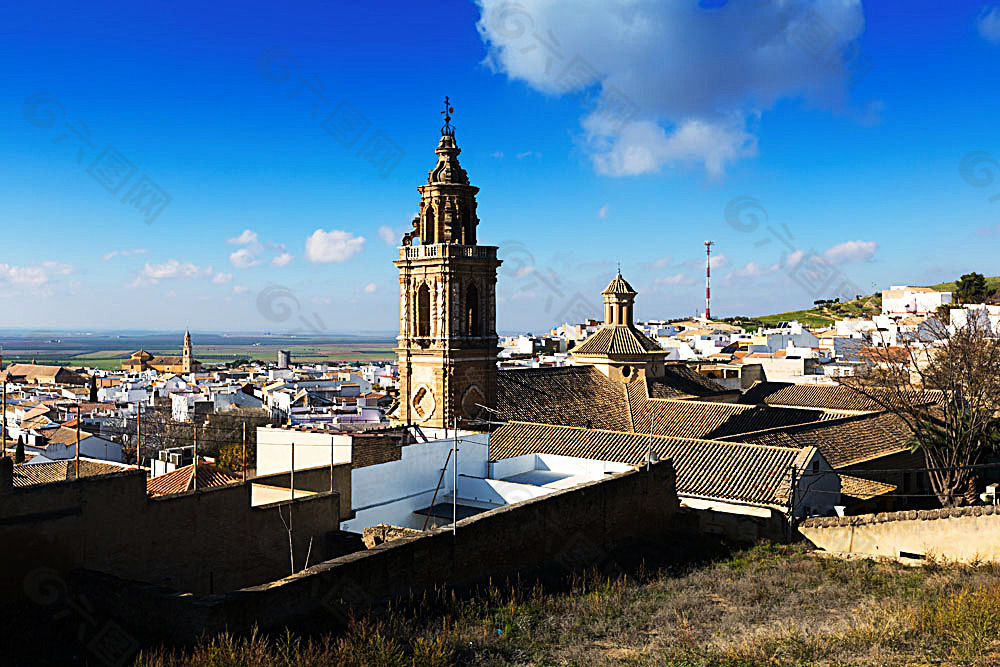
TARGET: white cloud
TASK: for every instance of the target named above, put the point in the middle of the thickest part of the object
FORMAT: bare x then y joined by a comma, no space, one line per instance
222,278
284,259
248,237
521,156
169,270
603,212
497,155
988,24
389,236
793,258
124,253
370,288
240,289
31,276
691,81
752,270
57,268
333,246
676,279
851,252
662,261
243,258
718,261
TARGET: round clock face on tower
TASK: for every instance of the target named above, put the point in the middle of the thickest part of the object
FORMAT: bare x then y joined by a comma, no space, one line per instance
422,402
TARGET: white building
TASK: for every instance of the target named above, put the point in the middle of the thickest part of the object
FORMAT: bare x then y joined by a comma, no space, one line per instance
906,300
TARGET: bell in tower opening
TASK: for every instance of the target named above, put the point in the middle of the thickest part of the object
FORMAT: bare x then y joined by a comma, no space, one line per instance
447,344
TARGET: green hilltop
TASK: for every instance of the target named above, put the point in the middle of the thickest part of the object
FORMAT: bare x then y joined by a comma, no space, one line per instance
823,315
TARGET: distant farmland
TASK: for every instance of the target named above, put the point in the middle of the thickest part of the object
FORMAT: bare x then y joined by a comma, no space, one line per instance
107,351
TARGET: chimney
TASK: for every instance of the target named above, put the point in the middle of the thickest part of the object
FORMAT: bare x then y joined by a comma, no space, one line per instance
6,475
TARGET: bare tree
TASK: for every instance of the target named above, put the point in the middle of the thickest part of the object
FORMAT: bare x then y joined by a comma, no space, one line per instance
945,386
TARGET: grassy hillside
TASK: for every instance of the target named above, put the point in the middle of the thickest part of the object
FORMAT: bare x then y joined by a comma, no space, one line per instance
769,605
825,315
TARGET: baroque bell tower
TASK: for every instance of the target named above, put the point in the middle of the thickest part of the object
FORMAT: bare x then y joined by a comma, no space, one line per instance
447,345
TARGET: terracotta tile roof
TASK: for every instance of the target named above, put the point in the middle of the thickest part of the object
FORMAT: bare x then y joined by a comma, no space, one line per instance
63,435
617,340
569,395
842,442
182,480
863,489
37,373
712,469
60,471
681,380
702,419
834,397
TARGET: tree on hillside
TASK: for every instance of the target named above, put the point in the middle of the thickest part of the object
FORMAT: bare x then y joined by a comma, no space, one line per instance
947,392
971,288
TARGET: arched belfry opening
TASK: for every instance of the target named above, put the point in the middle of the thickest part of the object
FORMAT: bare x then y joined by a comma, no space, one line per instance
423,311
472,315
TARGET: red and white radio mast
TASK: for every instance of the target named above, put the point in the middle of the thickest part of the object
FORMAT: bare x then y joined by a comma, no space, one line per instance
708,279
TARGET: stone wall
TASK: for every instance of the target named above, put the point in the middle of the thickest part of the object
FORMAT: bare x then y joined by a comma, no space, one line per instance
574,527
966,534
199,541
369,450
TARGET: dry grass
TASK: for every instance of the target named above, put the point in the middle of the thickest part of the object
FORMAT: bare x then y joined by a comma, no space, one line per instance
763,606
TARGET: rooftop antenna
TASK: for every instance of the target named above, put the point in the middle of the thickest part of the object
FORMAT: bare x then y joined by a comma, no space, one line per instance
708,279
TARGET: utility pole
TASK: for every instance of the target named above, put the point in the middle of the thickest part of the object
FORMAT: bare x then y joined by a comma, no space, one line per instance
708,279
244,451
78,441
194,477
3,423
138,432
454,505
292,480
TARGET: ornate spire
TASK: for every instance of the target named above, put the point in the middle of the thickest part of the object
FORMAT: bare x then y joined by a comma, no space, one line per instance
447,169
447,130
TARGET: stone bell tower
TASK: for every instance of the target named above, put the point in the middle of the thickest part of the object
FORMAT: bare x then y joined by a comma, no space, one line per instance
447,345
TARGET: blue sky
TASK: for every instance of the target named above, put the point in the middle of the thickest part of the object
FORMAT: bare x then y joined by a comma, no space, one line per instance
598,132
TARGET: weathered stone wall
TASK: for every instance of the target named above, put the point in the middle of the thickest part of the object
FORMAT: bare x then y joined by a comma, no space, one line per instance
574,527
964,534
196,541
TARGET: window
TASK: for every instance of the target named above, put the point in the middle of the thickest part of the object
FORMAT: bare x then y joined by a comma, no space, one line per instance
423,311
815,467
472,327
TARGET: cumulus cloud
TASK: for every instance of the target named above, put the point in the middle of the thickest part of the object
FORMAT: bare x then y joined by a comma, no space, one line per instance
30,276
670,83
124,253
752,270
676,279
284,259
243,258
171,269
370,288
718,261
389,235
248,237
988,24
498,155
222,278
603,212
333,246
851,252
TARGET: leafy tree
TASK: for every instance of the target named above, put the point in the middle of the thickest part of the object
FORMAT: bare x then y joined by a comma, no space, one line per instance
947,393
19,450
971,288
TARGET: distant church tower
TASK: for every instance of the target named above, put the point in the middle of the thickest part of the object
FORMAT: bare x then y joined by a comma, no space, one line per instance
447,345
187,358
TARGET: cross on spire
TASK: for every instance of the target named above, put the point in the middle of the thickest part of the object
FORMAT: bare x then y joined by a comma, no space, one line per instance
447,130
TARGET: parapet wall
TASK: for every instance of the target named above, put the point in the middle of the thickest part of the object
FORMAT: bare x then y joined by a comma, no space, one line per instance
574,527
203,541
965,534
